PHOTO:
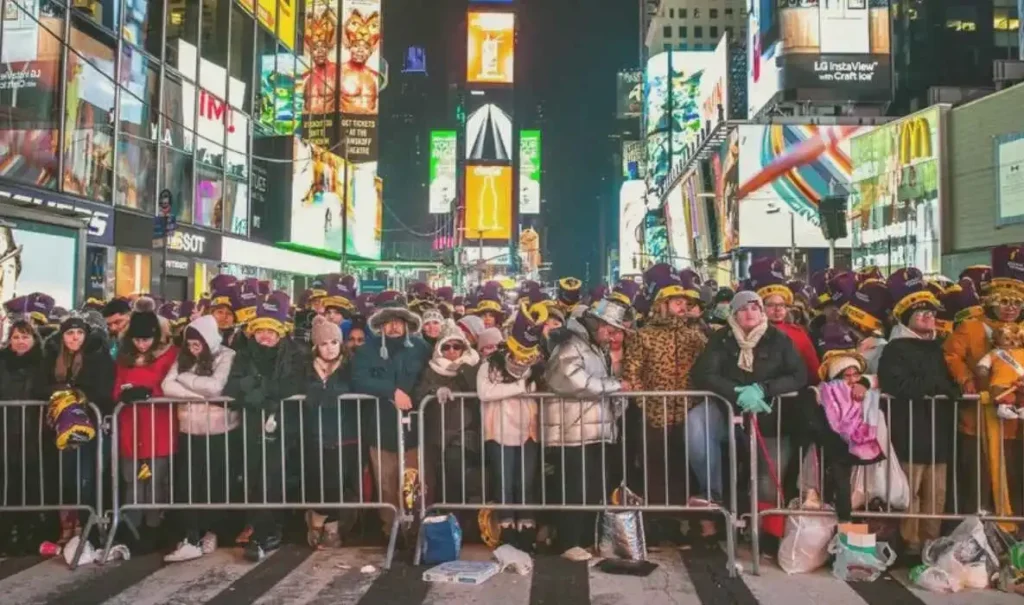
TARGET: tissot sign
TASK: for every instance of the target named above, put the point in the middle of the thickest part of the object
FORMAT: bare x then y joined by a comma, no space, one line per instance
101,217
136,231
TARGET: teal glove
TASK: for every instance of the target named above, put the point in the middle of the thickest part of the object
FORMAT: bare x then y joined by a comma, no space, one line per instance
750,398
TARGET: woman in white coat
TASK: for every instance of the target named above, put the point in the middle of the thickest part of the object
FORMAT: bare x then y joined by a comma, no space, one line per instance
204,457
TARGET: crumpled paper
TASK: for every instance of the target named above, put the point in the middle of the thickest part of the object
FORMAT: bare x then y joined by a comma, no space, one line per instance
510,557
91,554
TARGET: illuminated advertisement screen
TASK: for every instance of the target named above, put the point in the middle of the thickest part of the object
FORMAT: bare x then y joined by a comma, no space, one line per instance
276,15
320,76
489,126
897,190
38,258
529,172
656,248
713,96
672,112
365,211
634,160
281,98
488,202
490,51
836,51
629,94
443,158
631,226
795,167
360,78
318,181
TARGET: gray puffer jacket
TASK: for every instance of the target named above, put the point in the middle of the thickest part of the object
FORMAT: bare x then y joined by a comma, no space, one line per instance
580,371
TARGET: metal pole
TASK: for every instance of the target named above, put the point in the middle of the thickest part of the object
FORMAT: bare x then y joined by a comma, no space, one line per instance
832,253
163,262
344,208
792,241
480,259
62,124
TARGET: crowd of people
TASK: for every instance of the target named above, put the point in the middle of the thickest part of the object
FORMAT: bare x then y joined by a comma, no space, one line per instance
331,381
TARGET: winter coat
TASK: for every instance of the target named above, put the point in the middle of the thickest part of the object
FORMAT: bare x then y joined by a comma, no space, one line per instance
660,357
509,416
580,371
261,378
912,369
323,412
802,342
147,430
845,416
195,417
461,416
378,377
21,379
96,377
778,368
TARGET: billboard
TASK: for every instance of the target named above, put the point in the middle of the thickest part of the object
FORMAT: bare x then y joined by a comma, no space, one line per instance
725,171
318,180
799,165
672,115
634,160
276,15
365,211
35,257
631,227
488,202
677,224
836,51
629,94
281,98
489,126
713,96
897,192
360,79
443,159
529,172
1009,162
319,74
490,47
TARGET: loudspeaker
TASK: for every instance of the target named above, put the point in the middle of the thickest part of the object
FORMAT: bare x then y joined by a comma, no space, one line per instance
832,217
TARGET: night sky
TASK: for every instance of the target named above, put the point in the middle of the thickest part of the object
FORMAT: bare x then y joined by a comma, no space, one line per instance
567,56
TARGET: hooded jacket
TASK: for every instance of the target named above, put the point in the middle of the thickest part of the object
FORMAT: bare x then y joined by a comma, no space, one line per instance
460,376
95,378
147,430
580,371
378,377
509,414
660,357
195,417
262,377
911,369
778,368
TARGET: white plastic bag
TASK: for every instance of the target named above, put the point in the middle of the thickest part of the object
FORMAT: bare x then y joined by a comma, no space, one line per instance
869,482
935,579
804,546
510,557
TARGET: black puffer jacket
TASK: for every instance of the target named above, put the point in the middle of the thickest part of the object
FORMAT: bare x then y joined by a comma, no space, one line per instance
95,378
910,370
261,378
21,379
778,368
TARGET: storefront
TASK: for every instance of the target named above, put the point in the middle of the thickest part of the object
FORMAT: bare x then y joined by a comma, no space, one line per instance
98,259
193,256
285,269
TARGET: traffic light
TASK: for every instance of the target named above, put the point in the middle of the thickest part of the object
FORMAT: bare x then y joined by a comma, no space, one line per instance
832,217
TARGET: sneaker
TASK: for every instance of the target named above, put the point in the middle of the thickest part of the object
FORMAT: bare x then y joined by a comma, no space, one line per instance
208,543
254,552
577,554
186,551
314,528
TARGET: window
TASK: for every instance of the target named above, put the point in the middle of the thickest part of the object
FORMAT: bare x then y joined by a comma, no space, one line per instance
177,139
714,13
30,81
698,47
696,13
728,31
667,47
666,31
236,207
682,31
133,273
684,46
728,12
698,32
140,129
209,198
671,13
241,60
714,32
89,119
682,13
182,26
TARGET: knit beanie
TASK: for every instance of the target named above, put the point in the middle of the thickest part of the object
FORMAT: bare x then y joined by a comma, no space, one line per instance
433,315
74,321
488,338
742,299
144,322
472,326
325,331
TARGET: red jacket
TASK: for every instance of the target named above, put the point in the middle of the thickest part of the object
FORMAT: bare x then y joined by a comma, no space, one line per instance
804,346
157,423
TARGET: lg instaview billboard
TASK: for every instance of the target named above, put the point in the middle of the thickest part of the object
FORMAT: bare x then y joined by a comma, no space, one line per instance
529,172
829,50
443,157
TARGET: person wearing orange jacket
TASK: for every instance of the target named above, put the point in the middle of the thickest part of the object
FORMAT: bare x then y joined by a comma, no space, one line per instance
1002,289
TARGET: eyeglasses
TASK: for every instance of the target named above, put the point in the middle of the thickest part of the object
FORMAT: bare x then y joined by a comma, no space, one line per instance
1008,301
447,347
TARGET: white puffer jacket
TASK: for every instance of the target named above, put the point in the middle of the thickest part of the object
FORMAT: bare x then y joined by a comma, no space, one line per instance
581,372
196,417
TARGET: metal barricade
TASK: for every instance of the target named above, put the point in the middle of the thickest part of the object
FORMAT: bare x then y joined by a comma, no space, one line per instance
299,456
37,477
488,454
932,468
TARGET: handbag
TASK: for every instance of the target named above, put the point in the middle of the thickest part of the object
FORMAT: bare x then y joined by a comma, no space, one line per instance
621,533
868,482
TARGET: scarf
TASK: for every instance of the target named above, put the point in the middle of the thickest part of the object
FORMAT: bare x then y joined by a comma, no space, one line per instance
325,368
747,342
446,367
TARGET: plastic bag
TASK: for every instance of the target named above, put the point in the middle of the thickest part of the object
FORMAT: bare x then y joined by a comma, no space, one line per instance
857,564
968,544
804,546
621,533
868,482
510,557
935,579
442,539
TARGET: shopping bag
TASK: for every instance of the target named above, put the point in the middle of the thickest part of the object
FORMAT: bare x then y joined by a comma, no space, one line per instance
621,533
859,563
868,482
442,539
804,546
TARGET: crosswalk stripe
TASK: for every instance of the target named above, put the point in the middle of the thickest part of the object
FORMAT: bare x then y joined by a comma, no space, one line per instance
559,581
327,577
110,582
402,584
16,565
710,577
885,591
669,584
264,576
194,581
